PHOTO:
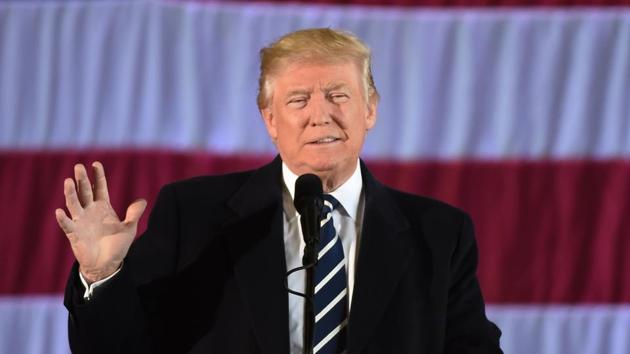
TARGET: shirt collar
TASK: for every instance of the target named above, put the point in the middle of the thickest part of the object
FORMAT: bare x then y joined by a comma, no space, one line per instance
348,194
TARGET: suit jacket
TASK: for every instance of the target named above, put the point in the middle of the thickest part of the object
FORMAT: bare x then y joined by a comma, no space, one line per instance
208,276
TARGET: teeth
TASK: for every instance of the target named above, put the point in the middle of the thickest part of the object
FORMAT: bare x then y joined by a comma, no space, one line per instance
326,140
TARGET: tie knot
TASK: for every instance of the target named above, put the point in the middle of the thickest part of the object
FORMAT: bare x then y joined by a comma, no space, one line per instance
330,202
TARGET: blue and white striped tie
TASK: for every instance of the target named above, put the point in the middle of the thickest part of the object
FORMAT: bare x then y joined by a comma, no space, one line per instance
331,290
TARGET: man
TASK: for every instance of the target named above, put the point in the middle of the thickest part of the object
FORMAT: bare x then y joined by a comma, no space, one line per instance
210,273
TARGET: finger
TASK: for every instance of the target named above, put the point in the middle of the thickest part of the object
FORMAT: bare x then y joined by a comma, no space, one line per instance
100,182
64,221
72,201
134,211
83,185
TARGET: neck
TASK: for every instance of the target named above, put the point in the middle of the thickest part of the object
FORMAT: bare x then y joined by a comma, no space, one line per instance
332,182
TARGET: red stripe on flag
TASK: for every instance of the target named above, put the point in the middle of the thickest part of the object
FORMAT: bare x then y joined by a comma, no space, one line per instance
548,231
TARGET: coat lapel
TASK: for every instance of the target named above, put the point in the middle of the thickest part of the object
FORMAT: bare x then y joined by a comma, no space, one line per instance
256,245
383,254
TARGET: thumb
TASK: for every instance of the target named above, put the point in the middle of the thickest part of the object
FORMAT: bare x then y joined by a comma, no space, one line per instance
135,211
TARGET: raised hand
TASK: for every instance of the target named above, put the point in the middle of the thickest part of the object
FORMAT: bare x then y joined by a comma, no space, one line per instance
99,239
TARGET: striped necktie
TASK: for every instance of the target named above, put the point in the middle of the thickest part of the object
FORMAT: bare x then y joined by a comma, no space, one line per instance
331,290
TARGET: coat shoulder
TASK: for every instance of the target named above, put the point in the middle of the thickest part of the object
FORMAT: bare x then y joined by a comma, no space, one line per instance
439,224
217,187
416,207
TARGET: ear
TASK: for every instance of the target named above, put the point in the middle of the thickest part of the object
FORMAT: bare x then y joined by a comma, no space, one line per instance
270,123
371,112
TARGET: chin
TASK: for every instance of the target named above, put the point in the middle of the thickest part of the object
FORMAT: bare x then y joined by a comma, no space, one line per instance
320,167
329,166
323,164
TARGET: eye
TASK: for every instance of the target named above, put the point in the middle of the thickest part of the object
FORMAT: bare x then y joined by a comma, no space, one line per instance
297,102
338,97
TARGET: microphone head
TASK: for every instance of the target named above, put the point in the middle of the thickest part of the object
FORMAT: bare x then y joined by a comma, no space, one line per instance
308,187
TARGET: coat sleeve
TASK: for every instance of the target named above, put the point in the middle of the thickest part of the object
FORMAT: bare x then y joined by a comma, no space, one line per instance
468,331
112,321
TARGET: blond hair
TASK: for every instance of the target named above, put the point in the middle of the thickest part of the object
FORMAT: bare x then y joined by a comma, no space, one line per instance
313,45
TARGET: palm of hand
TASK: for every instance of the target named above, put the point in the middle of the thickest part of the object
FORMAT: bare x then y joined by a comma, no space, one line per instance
99,239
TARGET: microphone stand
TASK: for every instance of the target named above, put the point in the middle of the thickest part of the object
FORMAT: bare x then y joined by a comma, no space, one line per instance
309,260
310,229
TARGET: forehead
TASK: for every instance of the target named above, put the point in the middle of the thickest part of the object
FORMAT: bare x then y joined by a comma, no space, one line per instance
311,75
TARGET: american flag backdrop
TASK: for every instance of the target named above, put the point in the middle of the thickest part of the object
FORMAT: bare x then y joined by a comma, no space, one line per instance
517,111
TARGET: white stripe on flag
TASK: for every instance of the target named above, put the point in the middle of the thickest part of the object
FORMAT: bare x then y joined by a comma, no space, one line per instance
38,324
33,325
563,329
571,104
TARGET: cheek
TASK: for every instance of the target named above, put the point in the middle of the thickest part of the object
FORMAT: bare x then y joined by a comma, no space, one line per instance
294,125
357,127
289,137
357,141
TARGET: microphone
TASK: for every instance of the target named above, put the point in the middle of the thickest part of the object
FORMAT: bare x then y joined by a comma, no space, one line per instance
308,202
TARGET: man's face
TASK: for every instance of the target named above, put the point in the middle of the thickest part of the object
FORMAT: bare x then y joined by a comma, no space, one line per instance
318,118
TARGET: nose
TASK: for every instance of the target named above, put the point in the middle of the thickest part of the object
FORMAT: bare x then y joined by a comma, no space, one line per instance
321,112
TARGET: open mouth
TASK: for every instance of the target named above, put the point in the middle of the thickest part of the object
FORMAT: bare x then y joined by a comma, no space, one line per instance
326,140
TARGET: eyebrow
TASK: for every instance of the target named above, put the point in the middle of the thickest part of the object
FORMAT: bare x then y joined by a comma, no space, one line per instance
299,92
334,86
326,89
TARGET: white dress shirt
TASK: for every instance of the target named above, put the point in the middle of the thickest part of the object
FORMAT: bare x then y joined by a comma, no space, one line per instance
348,219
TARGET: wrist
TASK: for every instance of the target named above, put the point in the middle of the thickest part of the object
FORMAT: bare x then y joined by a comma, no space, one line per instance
94,275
